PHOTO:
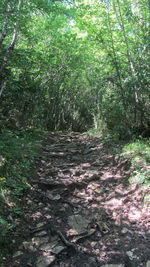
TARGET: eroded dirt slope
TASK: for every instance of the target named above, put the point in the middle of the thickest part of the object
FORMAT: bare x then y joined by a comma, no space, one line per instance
81,211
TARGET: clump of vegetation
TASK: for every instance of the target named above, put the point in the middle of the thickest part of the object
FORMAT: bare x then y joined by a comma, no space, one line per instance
138,153
99,129
18,151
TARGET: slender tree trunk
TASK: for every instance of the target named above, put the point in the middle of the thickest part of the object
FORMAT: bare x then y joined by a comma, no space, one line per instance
116,62
10,48
3,33
129,56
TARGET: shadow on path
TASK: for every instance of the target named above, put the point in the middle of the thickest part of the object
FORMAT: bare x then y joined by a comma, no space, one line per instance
81,210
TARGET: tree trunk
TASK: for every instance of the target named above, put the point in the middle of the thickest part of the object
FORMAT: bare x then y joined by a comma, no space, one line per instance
10,48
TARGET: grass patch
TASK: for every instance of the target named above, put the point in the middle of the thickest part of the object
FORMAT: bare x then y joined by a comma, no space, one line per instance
18,150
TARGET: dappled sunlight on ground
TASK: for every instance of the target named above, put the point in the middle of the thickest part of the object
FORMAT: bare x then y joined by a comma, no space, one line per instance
82,202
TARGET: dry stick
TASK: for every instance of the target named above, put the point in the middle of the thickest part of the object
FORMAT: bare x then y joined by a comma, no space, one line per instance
86,235
65,241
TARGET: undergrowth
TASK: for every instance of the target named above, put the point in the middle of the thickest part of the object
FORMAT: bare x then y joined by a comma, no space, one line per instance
137,151
18,150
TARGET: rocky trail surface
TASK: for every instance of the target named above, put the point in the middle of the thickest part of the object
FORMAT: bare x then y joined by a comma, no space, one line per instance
81,211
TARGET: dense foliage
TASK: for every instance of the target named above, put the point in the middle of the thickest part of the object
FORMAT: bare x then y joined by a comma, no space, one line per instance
71,65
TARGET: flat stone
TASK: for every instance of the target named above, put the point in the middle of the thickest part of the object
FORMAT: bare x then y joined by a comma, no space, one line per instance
52,196
131,255
78,223
17,254
148,264
26,245
44,261
37,241
41,224
124,230
93,244
47,247
58,249
29,201
54,246
42,233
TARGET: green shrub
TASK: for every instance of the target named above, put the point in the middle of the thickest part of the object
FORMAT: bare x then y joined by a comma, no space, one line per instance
138,153
18,150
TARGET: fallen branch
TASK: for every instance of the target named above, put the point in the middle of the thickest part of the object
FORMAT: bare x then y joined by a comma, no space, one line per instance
65,241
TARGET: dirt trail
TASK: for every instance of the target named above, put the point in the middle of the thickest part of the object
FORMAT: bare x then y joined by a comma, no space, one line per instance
81,211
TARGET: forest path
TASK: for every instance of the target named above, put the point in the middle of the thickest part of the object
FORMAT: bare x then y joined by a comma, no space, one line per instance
81,211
